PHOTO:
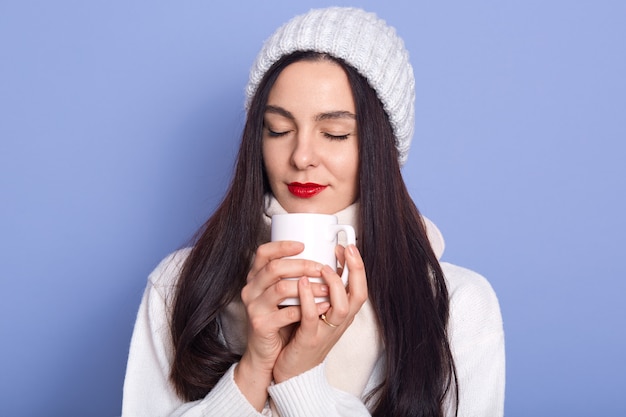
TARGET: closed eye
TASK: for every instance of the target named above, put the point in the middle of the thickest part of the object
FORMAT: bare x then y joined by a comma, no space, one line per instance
336,137
273,134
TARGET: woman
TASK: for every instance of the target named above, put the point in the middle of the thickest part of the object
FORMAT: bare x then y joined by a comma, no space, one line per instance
329,123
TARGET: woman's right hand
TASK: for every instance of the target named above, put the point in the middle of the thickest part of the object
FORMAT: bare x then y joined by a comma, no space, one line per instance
269,326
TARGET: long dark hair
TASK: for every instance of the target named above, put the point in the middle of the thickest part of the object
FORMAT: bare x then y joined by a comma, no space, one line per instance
405,281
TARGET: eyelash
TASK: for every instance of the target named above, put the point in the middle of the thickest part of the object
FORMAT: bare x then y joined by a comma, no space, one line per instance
273,134
336,137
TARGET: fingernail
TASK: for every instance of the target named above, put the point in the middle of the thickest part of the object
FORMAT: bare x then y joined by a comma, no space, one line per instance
352,250
305,281
318,267
323,306
324,288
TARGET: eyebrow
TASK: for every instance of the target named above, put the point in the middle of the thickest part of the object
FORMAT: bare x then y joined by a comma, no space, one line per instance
339,114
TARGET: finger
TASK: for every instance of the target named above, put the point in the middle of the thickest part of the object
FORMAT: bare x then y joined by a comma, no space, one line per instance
274,250
275,294
340,307
345,303
293,314
319,289
287,316
276,270
289,288
288,268
357,278
265,325
308,309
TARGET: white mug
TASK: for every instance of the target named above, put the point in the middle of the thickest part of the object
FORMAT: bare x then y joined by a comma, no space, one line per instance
318,233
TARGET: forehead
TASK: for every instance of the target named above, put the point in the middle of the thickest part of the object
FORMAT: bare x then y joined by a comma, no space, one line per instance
322,84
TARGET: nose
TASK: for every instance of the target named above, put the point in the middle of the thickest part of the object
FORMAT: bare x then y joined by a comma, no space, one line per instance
304,153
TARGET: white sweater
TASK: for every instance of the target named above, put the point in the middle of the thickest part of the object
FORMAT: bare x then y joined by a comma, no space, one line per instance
352,368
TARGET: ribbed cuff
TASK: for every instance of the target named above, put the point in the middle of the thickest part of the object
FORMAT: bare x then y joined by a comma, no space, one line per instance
307,394
225,399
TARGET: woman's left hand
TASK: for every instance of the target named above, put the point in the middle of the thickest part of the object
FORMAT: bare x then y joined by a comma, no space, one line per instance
314,338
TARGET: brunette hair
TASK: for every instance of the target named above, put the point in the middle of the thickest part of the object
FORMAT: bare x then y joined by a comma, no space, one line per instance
405,282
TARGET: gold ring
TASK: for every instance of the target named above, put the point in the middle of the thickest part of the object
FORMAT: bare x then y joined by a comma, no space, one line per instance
323,318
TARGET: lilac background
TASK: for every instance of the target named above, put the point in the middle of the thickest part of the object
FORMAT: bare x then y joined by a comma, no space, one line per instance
118,127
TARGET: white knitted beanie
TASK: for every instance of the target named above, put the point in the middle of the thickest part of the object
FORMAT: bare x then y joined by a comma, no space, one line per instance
362,40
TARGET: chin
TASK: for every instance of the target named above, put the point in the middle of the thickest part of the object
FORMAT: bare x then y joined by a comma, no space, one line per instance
306,207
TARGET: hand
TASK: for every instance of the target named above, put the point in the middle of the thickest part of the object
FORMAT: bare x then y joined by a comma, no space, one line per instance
313,339
269,327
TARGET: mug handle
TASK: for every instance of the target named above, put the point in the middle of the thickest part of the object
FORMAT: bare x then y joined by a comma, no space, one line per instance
350,238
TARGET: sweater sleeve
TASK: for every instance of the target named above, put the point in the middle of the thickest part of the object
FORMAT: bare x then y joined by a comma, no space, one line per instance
310,394
477,342
147,389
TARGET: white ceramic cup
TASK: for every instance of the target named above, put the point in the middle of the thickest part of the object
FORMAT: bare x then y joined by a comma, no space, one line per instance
318,233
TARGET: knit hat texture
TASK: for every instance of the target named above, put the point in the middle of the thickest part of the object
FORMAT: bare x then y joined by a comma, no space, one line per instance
362,40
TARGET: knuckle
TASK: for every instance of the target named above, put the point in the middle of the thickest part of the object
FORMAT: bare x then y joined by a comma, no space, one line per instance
281,287
245,294
256,324
292,314
272,267
341,311
262,252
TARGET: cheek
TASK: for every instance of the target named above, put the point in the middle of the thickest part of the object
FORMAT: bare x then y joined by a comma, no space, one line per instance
269,161
274,163
354,170
347,163
355,179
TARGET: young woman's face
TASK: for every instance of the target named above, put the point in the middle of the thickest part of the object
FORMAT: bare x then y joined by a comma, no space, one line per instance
310,144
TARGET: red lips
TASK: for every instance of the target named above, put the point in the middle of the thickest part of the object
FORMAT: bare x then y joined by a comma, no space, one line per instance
307,190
